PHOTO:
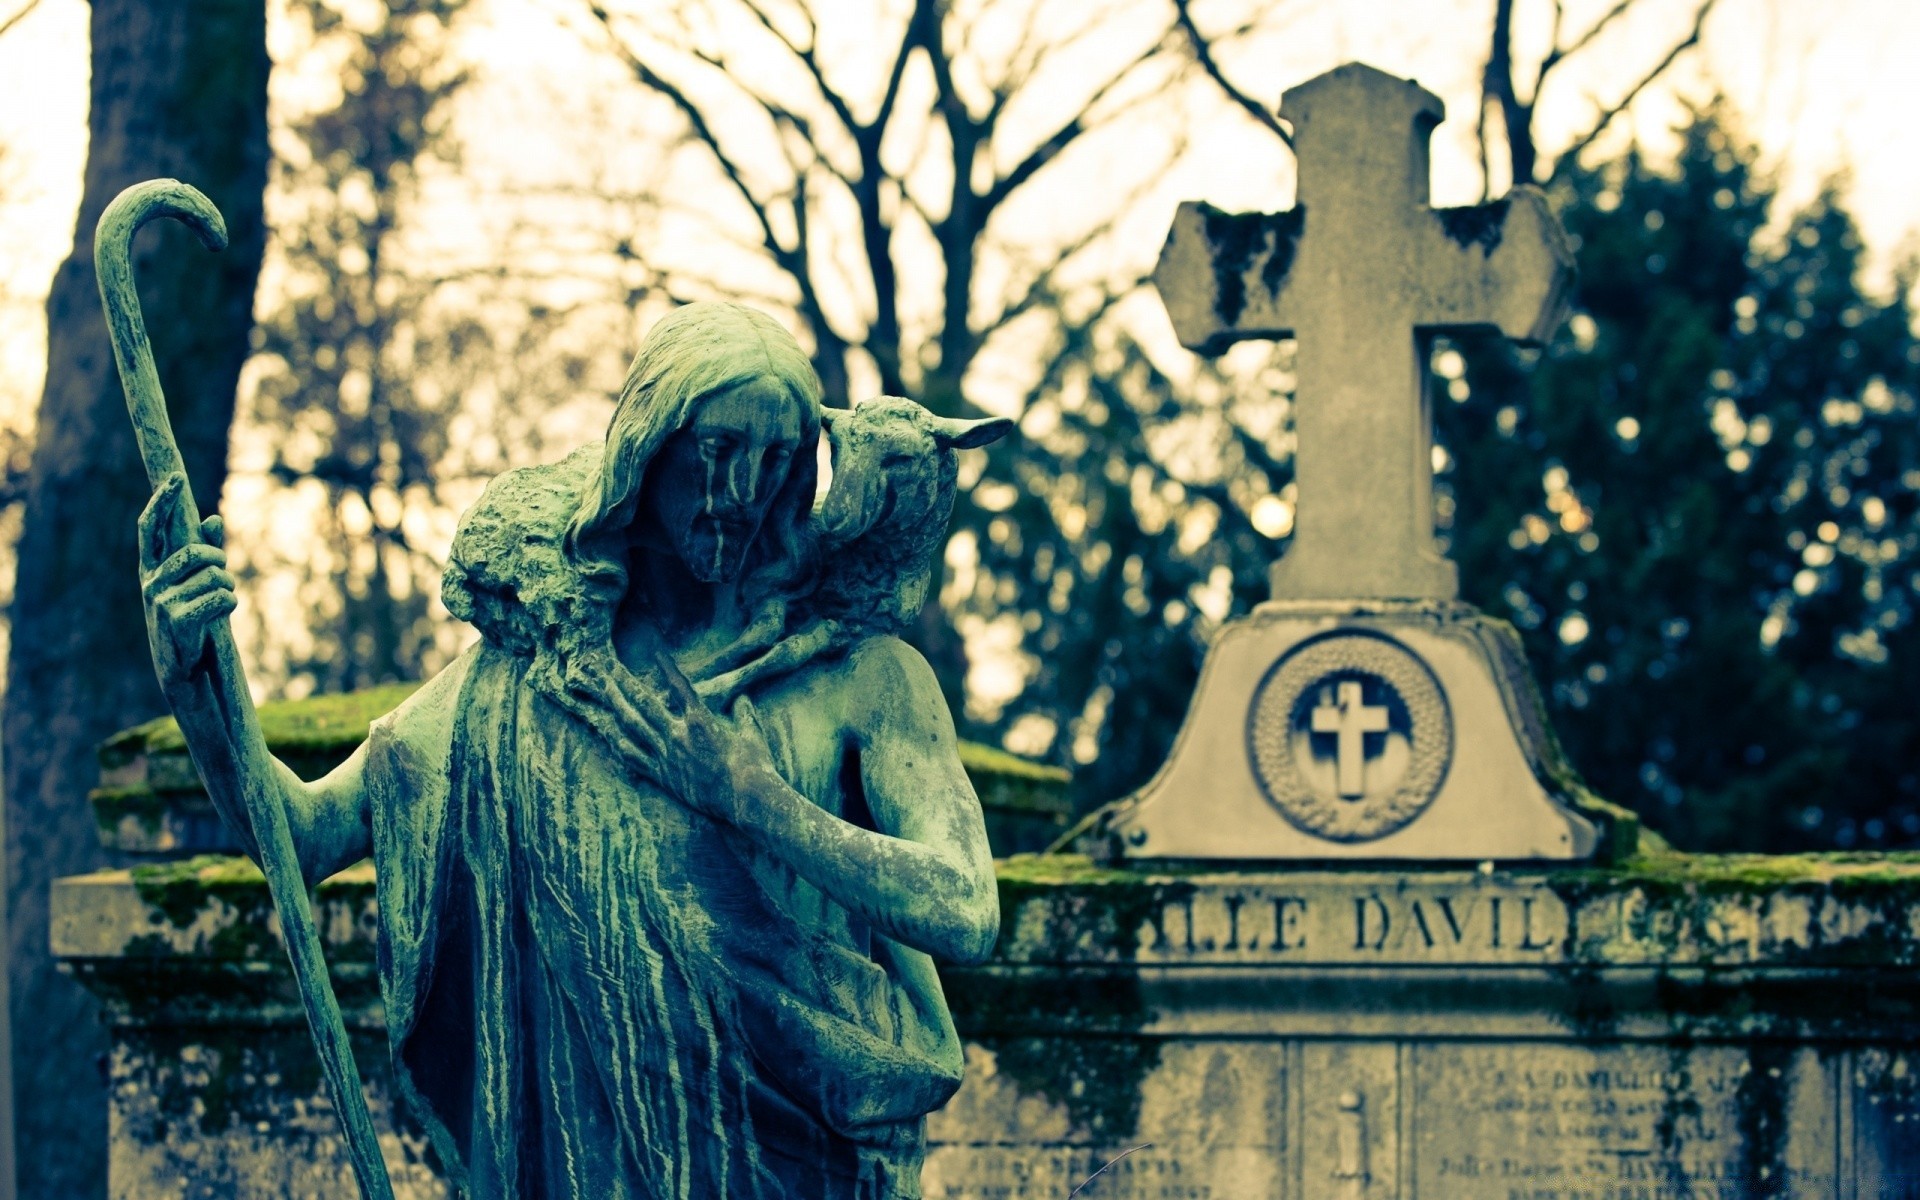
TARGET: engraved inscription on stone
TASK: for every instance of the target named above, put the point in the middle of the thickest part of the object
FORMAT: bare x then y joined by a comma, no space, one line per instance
1139,1172
1195,1121
1884,1095
1350,735
1334,921
1557,1121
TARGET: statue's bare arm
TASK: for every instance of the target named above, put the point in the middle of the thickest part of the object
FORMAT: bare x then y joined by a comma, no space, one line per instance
186,590
920,795
924,876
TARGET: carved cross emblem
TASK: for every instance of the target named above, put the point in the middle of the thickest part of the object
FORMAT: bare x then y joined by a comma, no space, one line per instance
1359,269
1349,718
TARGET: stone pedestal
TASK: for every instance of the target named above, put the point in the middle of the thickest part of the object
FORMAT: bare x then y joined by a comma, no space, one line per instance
1712,1028
1668,1026
1373,731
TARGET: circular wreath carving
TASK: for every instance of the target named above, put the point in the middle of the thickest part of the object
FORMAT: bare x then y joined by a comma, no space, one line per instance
1281,700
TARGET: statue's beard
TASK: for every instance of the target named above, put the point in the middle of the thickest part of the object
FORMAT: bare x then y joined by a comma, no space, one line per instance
714,550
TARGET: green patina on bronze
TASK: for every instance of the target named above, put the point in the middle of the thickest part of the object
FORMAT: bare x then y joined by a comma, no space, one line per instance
690,788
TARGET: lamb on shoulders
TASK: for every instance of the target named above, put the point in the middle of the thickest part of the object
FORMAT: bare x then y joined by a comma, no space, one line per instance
880,529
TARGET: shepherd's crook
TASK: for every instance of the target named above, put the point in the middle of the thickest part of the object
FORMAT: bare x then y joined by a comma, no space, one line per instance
241,769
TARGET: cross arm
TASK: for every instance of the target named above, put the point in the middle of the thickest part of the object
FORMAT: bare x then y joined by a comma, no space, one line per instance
1507,265
1222,275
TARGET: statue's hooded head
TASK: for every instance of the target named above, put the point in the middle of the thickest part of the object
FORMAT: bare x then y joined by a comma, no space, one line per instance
710,454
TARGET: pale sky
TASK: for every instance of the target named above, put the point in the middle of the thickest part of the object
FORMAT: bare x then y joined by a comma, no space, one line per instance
1824,85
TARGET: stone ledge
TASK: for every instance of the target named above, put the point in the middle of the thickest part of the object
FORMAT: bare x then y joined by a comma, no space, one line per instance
1667,910
1654,932
198,942
1673,911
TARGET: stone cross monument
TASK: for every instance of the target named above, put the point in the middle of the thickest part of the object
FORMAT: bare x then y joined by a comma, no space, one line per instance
1363,712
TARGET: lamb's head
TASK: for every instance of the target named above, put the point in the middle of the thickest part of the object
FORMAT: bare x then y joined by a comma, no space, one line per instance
894,465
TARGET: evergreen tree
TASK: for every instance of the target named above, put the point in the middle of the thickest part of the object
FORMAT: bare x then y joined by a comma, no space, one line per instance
1700,508
1107,541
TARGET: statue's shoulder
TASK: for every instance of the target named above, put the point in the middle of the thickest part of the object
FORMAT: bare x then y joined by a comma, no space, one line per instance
876,671
420,729
508,573
889,679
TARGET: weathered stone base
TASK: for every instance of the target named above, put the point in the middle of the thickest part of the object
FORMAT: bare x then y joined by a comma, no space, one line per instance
212,1114
1676,1028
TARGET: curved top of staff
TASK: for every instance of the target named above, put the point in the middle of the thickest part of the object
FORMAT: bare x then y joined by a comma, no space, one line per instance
113,265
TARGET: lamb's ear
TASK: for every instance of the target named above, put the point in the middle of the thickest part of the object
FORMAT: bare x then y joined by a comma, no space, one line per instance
951,433
829,415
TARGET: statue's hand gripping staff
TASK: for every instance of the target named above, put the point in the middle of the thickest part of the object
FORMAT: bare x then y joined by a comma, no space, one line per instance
237,770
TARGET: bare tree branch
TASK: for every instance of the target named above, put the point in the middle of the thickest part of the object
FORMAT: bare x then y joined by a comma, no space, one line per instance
1572,153
1203,54
16,18
1040,289
1026,60
1580,43
892,93
1497,88
1050,148
829,345
809,59
702,130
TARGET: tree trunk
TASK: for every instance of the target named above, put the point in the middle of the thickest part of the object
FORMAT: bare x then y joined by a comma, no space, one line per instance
178,89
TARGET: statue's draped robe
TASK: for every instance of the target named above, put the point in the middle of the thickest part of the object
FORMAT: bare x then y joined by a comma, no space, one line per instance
594,993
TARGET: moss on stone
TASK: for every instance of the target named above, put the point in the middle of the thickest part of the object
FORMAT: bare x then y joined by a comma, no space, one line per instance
985,760
316,724
1055,870
1098,1081
1059,907
1666,868
1480,225
1009,783
211,1079
1097,1074
180,891
111,806
1236,239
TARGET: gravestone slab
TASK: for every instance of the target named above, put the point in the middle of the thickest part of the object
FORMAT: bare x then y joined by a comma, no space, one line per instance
1363,713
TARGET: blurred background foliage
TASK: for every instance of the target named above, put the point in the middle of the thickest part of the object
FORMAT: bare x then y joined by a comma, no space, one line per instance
1697,504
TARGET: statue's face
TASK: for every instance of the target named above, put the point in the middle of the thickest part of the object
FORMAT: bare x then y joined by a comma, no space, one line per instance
710,486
